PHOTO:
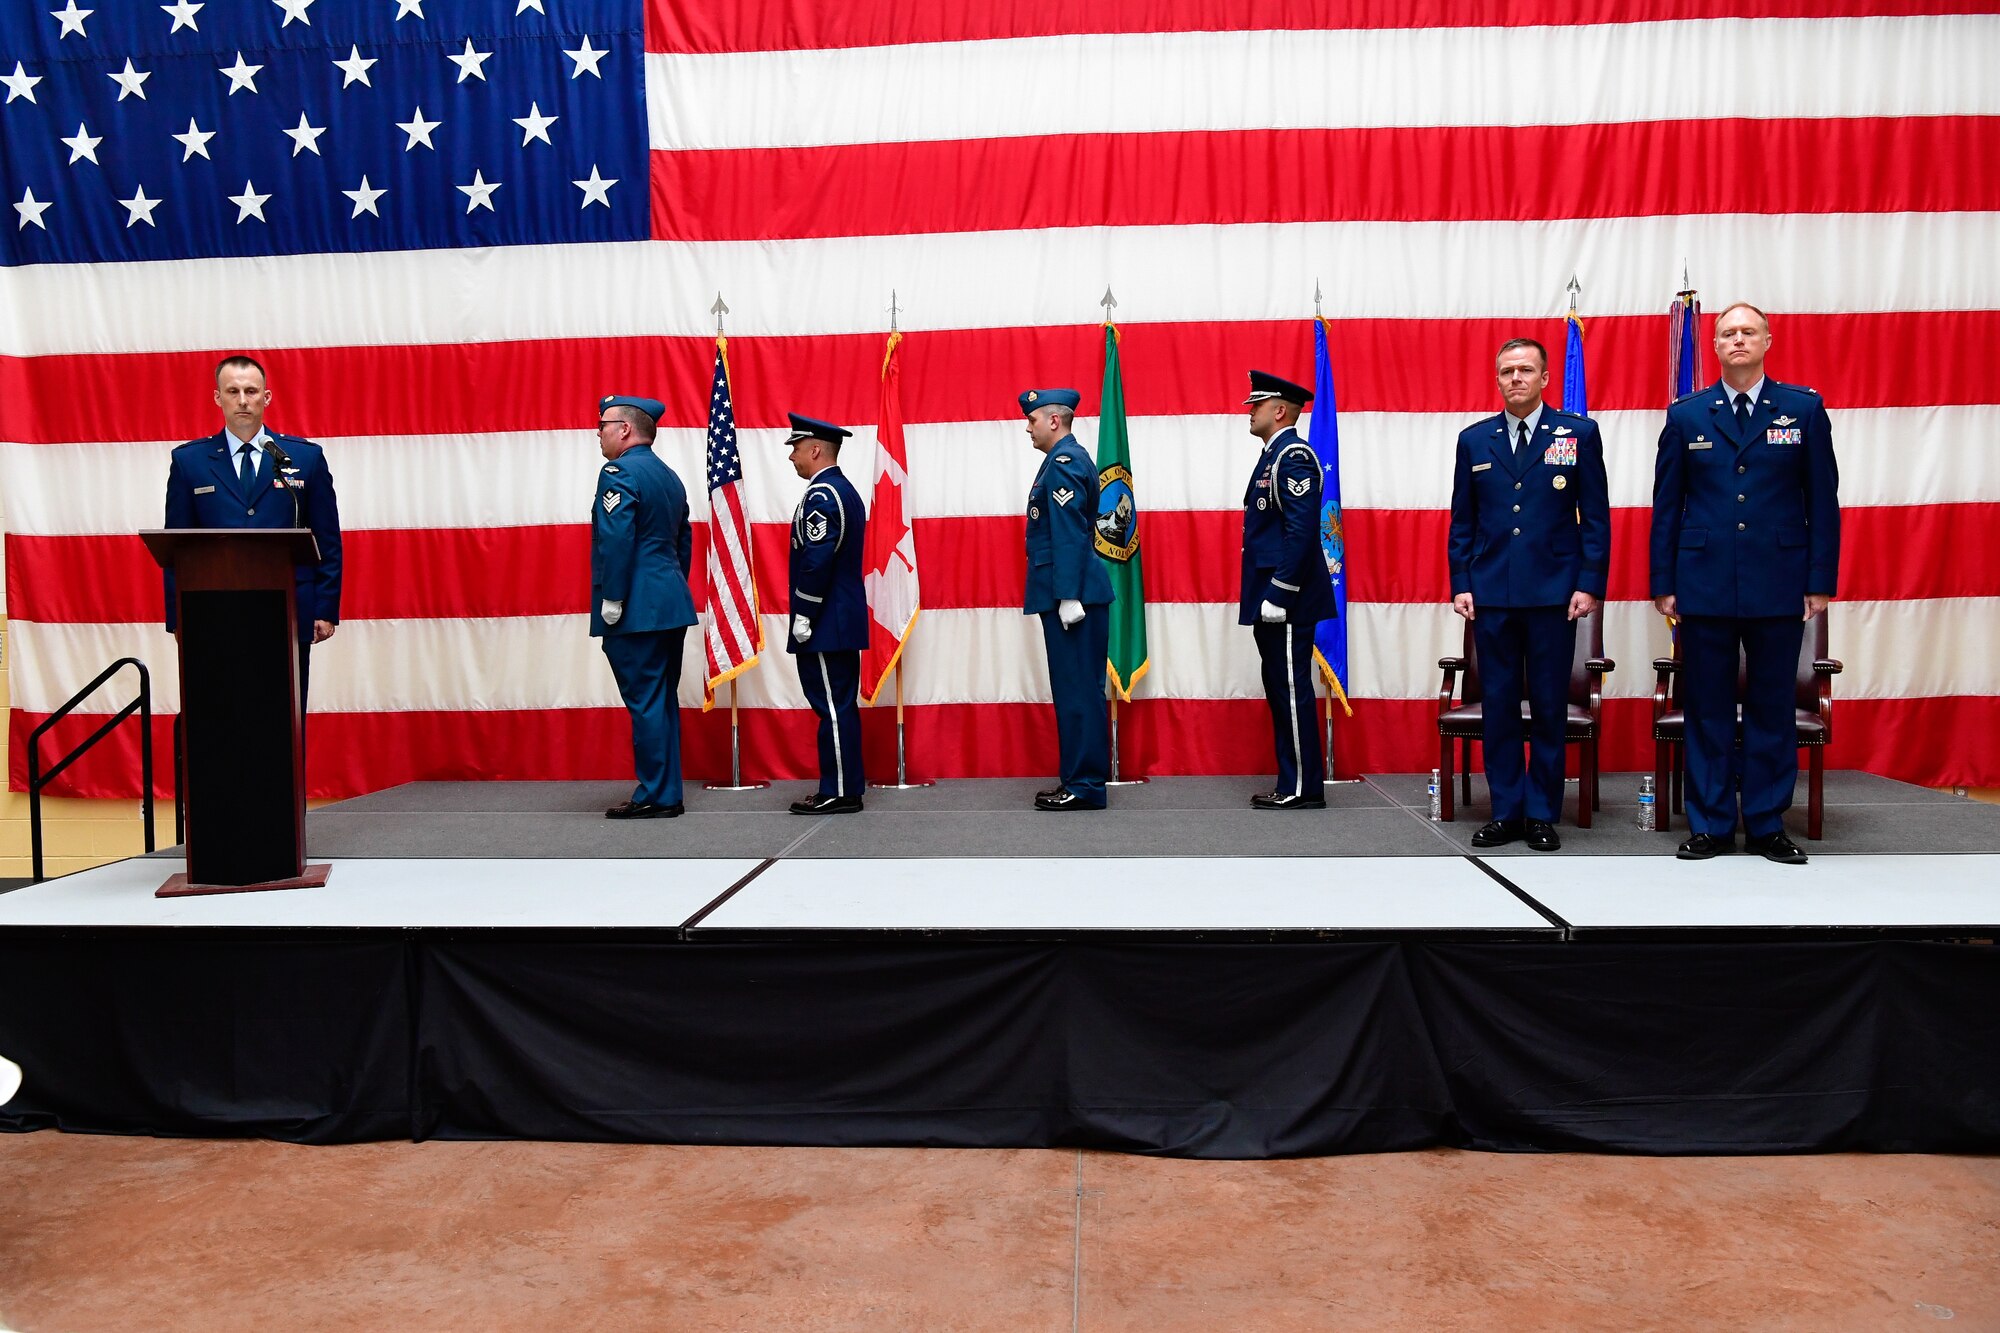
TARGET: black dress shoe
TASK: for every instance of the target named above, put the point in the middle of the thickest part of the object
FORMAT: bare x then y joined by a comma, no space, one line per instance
1777,848
1052,791
1497,833
644,810
1271,800
1063,799
1703,845
1542,836
819,803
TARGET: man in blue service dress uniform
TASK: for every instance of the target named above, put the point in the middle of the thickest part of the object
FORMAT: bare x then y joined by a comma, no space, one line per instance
640,550
829,611
1286,588
1068,588
1530,548
246,477
1745,550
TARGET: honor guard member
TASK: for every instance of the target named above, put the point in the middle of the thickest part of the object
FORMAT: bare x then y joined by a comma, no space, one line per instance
640,550
1286,589
1068,588
829,612
1745,549
1529,551
244,476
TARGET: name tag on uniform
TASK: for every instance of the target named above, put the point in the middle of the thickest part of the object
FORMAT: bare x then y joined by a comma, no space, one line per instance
204,490
1785,435
1701,444
1560,454
1476,467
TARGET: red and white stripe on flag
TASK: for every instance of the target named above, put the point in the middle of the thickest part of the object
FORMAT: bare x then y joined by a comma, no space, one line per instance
889,561
808,159
732,634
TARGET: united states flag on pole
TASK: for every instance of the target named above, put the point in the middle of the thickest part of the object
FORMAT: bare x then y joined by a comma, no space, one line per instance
733,634
564,185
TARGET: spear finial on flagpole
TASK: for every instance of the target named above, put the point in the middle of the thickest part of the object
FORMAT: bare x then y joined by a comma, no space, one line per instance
892,309
1108,301
1575,290
719,309
1318,313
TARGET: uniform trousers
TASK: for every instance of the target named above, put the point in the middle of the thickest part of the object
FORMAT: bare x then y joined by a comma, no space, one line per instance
1770,759
1076,679
648,670
832,682
1286,652
1524,653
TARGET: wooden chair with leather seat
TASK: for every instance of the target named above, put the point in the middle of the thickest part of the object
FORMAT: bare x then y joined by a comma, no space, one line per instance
1461,720
1813,715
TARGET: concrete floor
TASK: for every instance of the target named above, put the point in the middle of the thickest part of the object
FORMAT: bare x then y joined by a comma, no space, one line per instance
147,1234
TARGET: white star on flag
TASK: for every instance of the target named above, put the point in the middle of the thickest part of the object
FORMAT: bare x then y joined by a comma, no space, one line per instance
249,204
71,19
596,190
419,130
240,75
404,8
130,81
469,63
140,208
182,12
527,5
31,210
586,58
294,9
479,194
83,146
535,125
195,140
364,199
354,69
305,137
20,83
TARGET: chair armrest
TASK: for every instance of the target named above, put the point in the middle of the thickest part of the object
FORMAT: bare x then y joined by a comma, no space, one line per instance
1827,666
1600,666
1448,687
1452,663
1666,666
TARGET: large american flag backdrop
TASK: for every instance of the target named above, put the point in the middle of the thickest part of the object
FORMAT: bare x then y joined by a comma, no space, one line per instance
448,226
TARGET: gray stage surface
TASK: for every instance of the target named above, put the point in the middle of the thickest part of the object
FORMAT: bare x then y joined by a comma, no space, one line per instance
1380,816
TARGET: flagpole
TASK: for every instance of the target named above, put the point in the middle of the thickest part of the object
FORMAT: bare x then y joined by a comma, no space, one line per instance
1326,754
1110,303
736,782
902,782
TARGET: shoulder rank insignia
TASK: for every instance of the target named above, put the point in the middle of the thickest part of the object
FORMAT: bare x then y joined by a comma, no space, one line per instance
815,527
611,499
1064,495
1298,485
1784,421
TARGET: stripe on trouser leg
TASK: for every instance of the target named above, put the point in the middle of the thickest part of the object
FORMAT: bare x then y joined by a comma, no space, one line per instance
1292,702
833,724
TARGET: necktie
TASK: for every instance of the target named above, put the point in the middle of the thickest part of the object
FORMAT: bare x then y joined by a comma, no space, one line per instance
248,469
1521,440
1743,411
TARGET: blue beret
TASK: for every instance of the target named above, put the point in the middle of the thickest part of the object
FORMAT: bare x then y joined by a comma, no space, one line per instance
1264,385
652,407
1038,398
806,428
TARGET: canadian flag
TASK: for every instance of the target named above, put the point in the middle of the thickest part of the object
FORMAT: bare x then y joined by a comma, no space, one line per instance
889,562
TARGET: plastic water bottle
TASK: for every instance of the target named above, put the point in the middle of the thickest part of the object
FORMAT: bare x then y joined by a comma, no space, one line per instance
1437,807
1648,820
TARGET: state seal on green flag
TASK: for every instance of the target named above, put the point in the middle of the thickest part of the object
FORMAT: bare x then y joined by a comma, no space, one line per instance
1117,532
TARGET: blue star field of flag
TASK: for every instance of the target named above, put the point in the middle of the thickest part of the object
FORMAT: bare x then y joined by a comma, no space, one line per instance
139,130
725,464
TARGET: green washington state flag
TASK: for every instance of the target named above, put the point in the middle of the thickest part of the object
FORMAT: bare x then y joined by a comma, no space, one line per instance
1118,529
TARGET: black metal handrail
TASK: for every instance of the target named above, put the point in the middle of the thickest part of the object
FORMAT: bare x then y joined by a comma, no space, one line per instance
142,705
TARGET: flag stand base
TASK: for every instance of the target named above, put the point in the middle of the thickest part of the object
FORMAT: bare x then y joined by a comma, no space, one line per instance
724,786
736,782
1127,782
899,786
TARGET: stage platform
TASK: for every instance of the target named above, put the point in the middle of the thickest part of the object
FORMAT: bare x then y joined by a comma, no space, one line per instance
1177,974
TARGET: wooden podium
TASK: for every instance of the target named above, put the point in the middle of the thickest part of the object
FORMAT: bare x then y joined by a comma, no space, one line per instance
243,758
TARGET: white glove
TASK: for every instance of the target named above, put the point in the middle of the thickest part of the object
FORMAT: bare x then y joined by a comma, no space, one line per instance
612,612
1271,613
1070,612
802,629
